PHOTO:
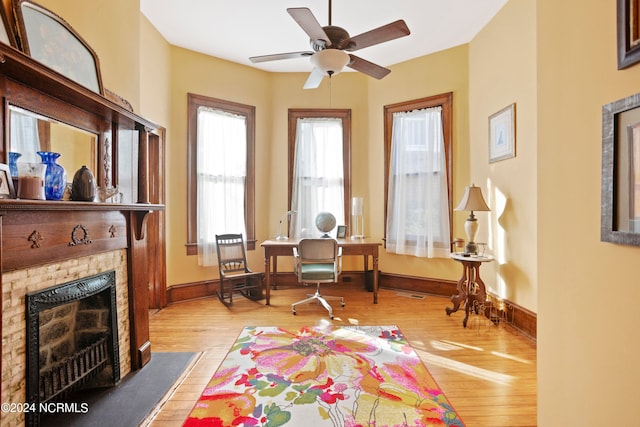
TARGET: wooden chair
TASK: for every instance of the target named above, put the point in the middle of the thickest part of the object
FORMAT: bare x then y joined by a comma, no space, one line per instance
317,261
235,275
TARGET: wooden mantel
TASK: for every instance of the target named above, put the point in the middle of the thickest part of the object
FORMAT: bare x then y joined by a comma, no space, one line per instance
130,153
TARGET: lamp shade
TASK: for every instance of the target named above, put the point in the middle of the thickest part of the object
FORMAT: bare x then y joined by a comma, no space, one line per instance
330,61
472,200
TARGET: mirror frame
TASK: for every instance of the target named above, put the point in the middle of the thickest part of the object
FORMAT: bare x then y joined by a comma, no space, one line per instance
611,148
24,42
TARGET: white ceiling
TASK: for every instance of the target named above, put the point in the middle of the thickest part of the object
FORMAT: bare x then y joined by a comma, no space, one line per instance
236,30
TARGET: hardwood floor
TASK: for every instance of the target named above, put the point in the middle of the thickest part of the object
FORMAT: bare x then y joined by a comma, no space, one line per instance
487,372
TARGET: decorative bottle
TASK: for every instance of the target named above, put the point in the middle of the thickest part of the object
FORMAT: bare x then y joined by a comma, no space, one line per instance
55,178
13,168
83,188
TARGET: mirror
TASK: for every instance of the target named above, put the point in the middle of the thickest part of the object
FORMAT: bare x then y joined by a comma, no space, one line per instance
31,132
48,38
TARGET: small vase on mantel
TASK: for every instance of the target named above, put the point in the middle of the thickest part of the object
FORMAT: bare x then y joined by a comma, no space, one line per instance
13,167
83,188
55,178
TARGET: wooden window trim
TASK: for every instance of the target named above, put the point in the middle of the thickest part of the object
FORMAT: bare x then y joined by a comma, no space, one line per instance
249,111
345,116
445,101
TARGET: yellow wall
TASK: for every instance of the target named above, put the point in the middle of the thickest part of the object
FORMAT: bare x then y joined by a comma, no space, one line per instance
155,75
502,71
587,320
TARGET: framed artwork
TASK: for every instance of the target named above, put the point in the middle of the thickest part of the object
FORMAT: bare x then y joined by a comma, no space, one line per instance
6,183
502,140
628,29
342,232
49,39
620,192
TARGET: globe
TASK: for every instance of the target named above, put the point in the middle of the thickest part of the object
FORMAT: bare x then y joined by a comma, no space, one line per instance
325,221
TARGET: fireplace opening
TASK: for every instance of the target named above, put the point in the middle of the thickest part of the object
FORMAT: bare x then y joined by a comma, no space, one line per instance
72,341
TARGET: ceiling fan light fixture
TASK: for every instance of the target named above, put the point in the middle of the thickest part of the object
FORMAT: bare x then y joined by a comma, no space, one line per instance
330,61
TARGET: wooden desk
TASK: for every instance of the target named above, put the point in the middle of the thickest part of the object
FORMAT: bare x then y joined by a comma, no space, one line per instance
365,247
471,289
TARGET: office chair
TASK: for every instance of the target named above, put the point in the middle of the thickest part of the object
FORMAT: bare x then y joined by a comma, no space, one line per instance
235,275
317,261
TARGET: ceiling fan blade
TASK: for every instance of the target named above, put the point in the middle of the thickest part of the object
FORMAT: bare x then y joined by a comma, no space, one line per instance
308,22
378,35
314,79
368,68
278,56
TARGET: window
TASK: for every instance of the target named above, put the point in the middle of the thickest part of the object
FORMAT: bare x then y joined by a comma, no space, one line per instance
221,137
418,176
319,167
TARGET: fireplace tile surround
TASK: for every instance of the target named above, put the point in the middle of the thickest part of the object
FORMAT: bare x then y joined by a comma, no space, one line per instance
16,284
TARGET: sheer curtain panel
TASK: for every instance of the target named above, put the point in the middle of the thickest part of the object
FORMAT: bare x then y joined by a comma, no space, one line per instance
222,170
418,205
318,174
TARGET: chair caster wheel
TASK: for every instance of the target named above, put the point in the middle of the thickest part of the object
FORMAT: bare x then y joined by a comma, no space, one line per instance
294,313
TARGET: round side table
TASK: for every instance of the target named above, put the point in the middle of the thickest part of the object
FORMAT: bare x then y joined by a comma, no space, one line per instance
471,289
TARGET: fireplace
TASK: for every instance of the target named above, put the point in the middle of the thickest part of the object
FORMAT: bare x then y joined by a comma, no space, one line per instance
72,341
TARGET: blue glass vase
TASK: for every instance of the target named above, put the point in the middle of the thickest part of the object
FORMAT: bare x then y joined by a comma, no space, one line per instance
55,177
13,165
13,168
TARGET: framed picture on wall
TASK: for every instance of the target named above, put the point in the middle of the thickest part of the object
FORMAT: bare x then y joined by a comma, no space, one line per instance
628,32
620,190
502,135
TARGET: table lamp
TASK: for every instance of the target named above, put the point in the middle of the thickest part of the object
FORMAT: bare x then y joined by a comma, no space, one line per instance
281,236
472,201
357,215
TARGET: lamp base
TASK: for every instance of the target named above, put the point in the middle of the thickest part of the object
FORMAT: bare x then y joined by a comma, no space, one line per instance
281,237
471,248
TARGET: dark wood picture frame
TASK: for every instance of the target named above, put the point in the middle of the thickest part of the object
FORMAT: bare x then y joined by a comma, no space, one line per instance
49,39
6,183
8,22
628,29
342,232
620,192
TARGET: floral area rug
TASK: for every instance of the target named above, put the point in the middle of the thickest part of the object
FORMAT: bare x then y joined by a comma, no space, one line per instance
322,376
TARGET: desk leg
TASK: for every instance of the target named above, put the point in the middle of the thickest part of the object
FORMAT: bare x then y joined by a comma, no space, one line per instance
375,278
275,272
461,295
267,277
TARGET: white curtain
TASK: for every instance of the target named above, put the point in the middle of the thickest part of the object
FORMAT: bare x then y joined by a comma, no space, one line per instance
24,137
318,174
418,205
222,170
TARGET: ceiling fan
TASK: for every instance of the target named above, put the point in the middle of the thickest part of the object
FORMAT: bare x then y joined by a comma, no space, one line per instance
330,45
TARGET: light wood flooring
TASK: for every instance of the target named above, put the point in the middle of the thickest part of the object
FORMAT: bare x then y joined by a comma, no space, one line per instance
487,372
